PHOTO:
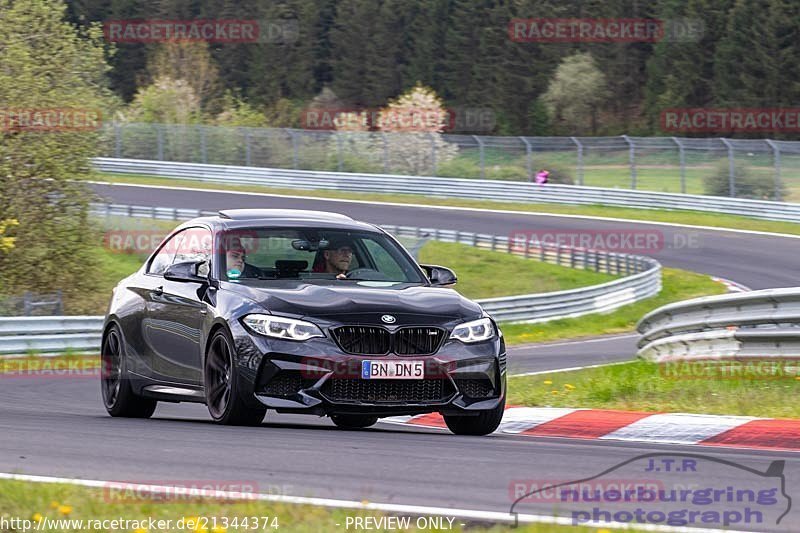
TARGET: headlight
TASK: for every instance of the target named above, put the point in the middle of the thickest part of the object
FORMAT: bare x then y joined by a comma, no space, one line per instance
475,331
282,327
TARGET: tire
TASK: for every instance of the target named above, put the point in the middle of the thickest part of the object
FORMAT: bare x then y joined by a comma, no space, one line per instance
223,398
118,396
354,421
482,424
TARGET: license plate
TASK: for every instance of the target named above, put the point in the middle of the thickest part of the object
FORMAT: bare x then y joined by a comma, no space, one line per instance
392,369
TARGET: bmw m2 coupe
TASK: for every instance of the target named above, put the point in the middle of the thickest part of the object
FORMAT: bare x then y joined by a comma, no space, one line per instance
299,312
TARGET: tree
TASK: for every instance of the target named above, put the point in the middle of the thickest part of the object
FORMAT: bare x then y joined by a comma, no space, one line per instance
575,93
48,63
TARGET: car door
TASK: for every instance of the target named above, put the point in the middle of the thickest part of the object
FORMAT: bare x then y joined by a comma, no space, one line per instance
176,312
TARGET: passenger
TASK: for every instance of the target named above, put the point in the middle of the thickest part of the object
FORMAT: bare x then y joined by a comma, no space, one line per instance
236,265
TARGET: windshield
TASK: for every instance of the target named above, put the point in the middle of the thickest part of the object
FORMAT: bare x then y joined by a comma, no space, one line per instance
313,254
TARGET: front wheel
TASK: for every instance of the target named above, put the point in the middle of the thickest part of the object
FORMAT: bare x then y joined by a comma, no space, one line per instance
224,402
354,421
482,424
118,396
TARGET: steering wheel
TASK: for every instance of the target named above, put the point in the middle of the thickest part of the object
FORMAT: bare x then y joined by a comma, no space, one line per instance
358,271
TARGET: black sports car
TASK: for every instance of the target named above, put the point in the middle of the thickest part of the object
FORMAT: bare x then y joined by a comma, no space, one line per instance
300,312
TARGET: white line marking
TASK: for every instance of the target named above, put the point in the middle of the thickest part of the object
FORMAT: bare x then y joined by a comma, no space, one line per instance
567,343
571,369
466,514
457,208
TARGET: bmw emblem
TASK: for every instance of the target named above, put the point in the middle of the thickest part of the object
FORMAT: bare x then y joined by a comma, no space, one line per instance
389,319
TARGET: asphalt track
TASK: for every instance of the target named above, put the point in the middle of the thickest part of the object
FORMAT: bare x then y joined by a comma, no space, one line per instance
57,426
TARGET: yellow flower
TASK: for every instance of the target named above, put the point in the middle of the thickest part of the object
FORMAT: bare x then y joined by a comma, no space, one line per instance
140,530
37,517
548,382
568,386
555,393
64,509
219,530
54,505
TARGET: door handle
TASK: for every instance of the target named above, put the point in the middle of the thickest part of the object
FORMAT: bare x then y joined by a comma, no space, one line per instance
158,291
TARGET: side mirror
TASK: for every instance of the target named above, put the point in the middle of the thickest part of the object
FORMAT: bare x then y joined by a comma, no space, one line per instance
186,271
440,276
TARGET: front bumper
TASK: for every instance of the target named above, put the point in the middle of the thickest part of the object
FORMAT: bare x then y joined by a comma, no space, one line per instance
315,377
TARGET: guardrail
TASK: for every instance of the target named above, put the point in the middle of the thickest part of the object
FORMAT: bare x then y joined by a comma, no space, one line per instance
755,324
641,279
504,191
49,334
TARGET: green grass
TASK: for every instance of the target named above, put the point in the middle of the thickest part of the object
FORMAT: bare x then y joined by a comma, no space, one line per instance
646,386
485,274
696,218
40,501
677,285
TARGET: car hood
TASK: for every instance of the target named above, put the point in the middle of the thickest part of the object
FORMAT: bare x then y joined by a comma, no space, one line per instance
299,299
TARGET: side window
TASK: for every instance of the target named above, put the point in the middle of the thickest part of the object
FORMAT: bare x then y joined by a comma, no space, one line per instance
195,245
165,254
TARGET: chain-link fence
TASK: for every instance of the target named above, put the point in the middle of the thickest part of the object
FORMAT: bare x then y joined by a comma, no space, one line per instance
762,168
30,304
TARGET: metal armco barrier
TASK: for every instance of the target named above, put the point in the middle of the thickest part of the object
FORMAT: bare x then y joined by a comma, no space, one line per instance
764,323
49,334
504,191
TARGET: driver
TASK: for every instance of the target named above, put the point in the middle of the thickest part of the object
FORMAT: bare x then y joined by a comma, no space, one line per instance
337,257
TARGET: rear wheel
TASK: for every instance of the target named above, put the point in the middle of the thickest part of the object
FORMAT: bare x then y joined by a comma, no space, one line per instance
354,421
482,424
118,396
223,399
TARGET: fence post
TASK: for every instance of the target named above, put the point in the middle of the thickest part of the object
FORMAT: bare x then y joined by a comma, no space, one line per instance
579,167
248,161
631,159
203,145
340,161
482,156
528,158
295,160
731,168
776,154
682,156
494,242
117,140
432,137
26,304
385,152
160,141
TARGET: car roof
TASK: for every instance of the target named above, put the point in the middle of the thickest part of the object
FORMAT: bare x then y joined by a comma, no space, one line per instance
261,214
283,218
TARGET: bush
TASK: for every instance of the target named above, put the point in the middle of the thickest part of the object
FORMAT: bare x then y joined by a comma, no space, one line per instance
747,185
